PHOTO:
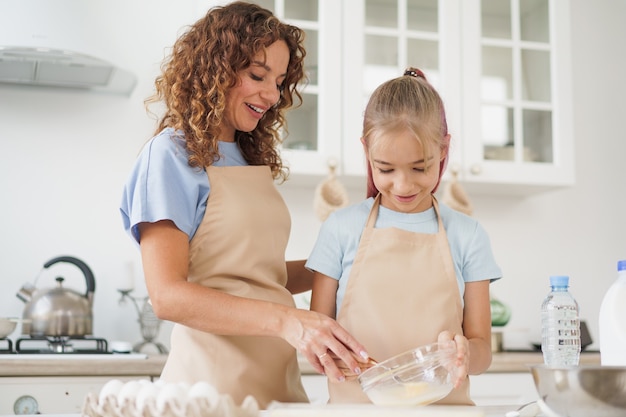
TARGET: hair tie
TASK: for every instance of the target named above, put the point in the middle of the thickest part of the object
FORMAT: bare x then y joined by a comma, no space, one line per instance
414,72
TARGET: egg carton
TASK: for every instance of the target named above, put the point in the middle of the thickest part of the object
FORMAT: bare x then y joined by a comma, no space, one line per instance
224,406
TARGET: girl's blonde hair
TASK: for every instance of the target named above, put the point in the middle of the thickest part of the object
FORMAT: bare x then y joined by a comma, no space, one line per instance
407,103
203,66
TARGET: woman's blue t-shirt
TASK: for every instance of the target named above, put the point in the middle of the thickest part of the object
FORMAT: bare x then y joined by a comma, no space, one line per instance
162,185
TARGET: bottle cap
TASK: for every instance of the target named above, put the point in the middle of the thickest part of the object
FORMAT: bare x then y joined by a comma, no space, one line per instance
559,281
621,265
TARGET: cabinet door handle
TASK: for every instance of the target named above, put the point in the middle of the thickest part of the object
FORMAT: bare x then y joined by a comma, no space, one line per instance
476,169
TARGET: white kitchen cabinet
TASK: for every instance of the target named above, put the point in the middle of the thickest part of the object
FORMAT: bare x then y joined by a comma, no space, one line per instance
503,388
59,382
516,125
313,136
50,395
501,66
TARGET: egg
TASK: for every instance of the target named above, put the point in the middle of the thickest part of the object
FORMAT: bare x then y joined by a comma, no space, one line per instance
173,394
144,382
110,389
159,383
204,390
184,386
128,393
147,393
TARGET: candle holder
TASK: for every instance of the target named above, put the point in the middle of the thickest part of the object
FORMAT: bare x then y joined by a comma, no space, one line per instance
148,322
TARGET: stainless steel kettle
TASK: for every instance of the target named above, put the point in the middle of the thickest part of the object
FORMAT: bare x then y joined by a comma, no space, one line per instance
58,311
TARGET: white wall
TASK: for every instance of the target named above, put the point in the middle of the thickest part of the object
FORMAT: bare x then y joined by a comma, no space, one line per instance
65,155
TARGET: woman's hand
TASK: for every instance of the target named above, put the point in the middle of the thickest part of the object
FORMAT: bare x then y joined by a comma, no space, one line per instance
349,373
324,343
461,363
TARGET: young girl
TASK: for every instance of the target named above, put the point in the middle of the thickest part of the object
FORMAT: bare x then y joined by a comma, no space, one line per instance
399,270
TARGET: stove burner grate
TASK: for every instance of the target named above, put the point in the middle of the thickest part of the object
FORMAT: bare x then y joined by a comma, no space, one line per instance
61,345
8,346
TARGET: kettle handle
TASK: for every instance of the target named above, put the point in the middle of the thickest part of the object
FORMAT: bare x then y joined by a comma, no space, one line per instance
91,282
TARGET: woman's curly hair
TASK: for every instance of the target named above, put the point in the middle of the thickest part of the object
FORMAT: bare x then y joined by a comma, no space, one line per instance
203,66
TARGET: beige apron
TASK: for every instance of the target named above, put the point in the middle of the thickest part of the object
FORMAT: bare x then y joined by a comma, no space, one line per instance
401,294
239,248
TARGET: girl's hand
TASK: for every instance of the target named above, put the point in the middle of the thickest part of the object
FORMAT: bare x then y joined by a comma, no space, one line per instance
324,343
461,364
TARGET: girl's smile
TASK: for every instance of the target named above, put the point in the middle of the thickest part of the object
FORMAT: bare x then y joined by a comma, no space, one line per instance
406,199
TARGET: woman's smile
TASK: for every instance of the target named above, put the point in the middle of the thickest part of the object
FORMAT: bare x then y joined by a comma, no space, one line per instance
256,111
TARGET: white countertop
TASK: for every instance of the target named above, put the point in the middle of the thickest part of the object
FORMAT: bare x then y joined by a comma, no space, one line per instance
29,365
131,364
75,357
368,410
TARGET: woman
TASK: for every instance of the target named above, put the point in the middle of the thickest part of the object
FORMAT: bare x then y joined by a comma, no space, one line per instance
212,228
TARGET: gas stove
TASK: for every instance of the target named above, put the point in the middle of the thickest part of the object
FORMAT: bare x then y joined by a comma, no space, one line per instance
61,345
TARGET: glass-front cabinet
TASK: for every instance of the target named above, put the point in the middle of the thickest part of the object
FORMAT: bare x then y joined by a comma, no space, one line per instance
501,66
312,137
516,78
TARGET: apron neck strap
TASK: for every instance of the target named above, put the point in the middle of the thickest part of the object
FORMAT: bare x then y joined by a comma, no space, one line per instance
371,219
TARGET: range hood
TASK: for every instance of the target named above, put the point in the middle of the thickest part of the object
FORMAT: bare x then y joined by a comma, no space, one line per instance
64,44
61,68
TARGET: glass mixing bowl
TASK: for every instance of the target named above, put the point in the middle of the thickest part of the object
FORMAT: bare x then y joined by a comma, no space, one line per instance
417,377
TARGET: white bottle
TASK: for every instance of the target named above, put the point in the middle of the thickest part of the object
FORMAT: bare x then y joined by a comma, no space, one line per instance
560,325
613,321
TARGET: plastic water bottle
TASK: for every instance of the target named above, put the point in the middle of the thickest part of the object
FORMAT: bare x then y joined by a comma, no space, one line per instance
613,321
560,325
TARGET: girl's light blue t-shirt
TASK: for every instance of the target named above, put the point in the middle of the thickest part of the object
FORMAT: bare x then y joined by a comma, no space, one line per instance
162,185
339,236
